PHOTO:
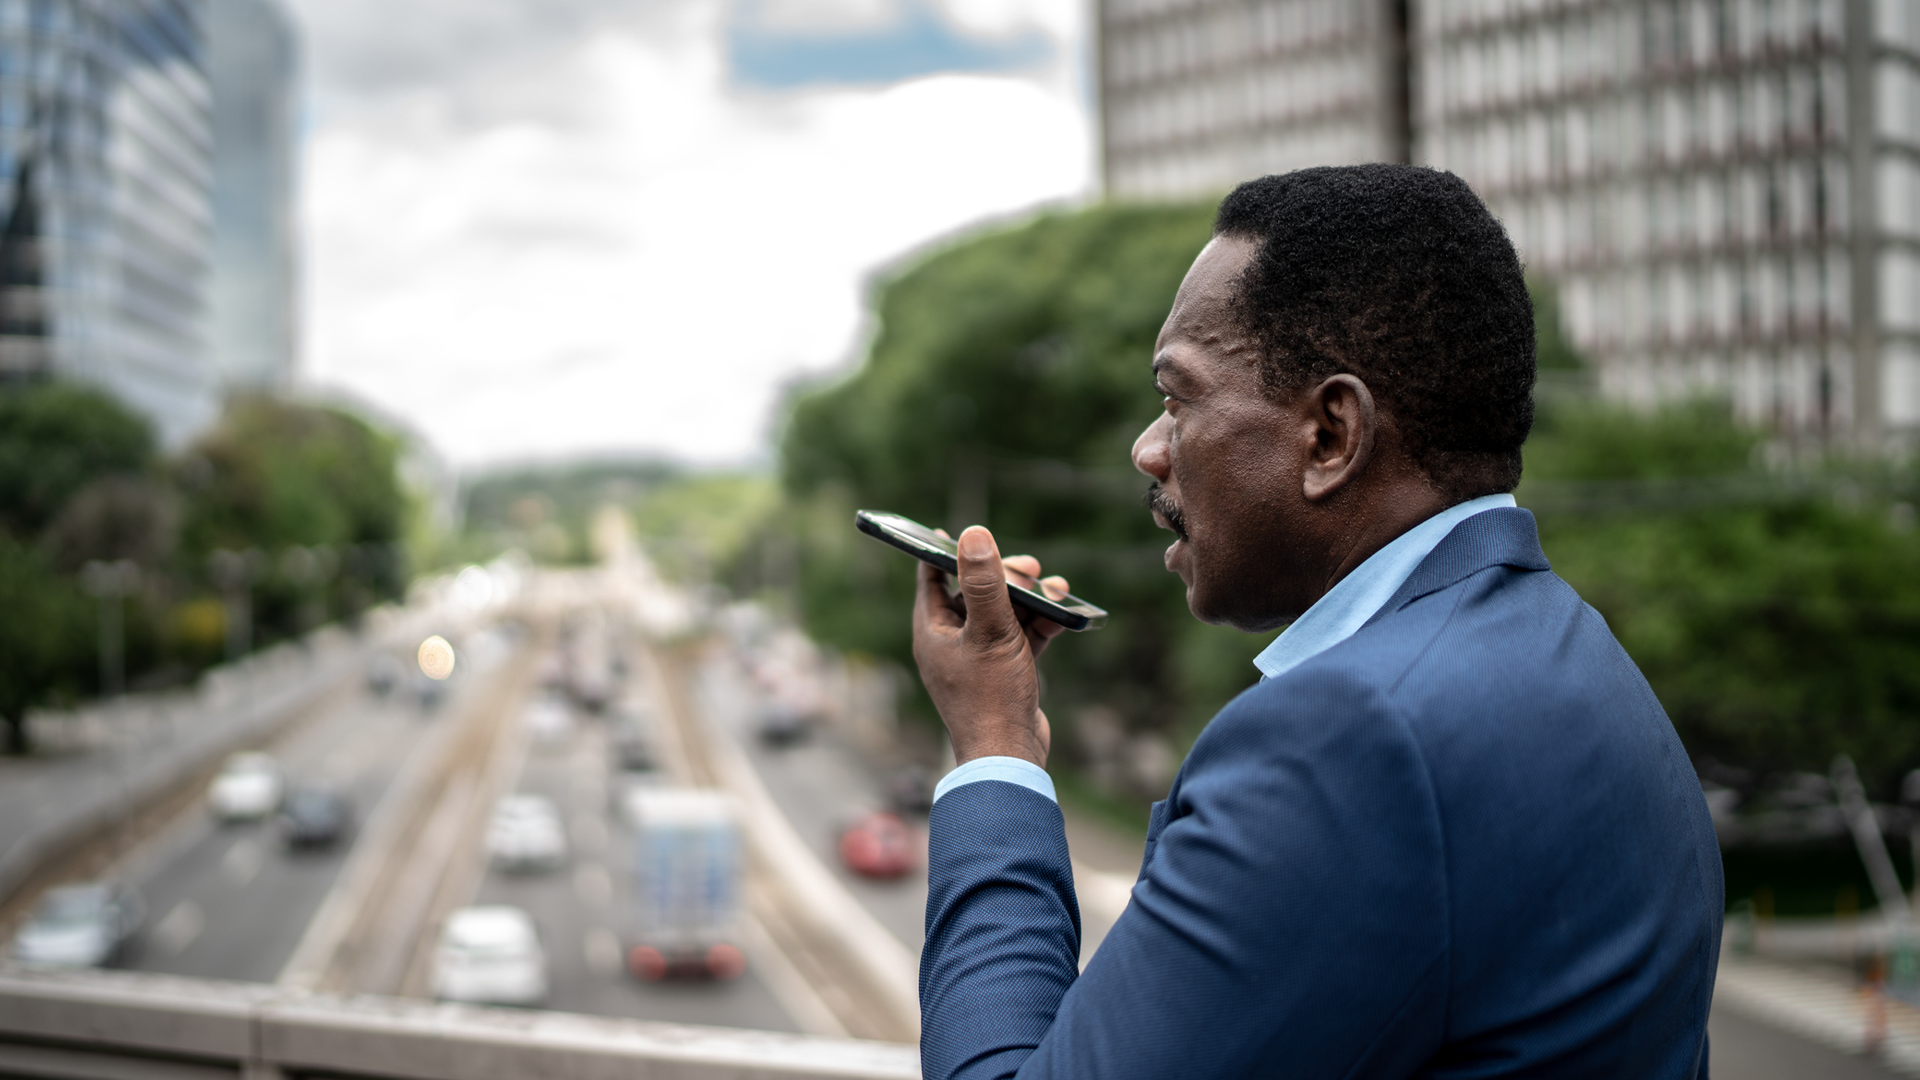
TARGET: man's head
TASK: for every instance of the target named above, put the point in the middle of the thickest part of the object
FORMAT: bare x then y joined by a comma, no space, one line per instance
1353,352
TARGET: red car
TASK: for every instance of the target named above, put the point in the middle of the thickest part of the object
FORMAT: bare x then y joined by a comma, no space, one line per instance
879,845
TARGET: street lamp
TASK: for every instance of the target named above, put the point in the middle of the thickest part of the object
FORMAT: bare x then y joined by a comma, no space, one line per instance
309,569
233,573
111,583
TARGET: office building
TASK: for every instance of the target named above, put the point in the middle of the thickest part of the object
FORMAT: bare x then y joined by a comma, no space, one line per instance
1725,193
253,60
104,184
1197,95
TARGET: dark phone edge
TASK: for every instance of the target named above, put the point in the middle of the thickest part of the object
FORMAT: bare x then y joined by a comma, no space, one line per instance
1040,605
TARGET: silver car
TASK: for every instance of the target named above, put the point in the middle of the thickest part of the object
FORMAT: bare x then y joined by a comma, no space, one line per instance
77,926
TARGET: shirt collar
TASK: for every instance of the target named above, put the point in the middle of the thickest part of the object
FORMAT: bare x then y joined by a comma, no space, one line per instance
1355,598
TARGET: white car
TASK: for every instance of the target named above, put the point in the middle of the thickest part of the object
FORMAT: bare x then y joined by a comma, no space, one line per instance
79,926
249,787
549,721
492,956
525,833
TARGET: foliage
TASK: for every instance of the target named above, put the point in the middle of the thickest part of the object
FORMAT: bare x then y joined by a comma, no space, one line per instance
545,510
275,473
1006,384
313,490
44,640
55,438
695,524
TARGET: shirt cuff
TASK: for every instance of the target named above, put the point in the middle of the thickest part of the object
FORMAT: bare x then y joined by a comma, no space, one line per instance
1011,769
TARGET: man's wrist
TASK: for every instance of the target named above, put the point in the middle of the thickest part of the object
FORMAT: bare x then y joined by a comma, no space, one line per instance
996,737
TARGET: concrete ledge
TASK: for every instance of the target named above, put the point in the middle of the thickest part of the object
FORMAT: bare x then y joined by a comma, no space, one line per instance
99,1024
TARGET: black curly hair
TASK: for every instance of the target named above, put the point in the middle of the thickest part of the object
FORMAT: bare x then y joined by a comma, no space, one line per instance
1401,276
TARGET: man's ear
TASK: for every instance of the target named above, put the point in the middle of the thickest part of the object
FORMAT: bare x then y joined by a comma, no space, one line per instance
1344,426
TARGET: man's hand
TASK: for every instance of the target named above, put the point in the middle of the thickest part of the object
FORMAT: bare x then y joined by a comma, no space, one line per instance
976,652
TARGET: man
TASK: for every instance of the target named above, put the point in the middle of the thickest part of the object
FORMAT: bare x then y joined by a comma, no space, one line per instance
1451,832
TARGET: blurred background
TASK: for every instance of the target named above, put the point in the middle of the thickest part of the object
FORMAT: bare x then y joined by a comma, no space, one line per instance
575,331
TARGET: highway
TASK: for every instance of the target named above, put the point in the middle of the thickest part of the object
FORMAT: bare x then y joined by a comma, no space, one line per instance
579,907
821,785
227,901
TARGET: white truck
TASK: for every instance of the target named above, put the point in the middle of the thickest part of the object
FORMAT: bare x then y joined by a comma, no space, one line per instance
686,884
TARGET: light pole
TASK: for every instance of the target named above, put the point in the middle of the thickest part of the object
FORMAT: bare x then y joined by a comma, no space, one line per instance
309,569
111,583
233,573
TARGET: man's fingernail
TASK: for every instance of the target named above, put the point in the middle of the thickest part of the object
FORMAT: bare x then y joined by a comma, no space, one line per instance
975,545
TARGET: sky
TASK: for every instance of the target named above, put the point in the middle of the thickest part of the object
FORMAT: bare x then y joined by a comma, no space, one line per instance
551,229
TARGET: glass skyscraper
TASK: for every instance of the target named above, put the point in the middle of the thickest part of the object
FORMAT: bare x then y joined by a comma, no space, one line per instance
105,181
1725,192
253,59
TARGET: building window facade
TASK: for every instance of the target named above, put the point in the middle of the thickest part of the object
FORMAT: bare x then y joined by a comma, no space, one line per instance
1197,95
104,192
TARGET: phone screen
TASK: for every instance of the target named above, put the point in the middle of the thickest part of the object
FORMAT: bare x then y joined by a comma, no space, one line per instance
930,547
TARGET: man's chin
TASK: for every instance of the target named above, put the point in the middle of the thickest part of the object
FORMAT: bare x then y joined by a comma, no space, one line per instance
1217,607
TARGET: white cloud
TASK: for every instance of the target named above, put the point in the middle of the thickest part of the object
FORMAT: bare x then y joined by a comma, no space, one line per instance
819,15
590,242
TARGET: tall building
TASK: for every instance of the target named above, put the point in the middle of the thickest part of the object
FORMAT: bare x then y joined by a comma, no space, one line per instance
253,58
1197,95
1725,192
104,183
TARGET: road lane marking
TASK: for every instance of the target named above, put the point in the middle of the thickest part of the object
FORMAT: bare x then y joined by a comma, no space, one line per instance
589,834
242,861
601,947
183,924
593,884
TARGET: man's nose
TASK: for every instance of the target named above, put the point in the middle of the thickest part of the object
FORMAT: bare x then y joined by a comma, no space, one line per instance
1150,451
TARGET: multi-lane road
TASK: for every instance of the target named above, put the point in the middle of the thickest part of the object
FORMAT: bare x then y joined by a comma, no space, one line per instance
230,901
581,907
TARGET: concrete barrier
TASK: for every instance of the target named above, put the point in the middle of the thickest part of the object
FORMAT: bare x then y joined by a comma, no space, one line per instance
110,1025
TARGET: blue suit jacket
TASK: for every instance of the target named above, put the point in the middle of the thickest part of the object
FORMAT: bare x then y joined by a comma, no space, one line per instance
1465,842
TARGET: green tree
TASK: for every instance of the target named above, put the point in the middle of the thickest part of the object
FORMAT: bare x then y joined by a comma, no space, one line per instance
277,476
45,638
55,438
61,444
275,473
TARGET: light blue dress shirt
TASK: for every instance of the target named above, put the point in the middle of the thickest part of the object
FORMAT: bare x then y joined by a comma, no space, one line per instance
1332,619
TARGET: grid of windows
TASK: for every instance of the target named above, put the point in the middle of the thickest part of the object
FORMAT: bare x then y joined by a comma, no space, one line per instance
1681,168
1199,94
104,192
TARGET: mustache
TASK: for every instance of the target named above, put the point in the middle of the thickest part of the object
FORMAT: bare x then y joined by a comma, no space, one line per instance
1162,503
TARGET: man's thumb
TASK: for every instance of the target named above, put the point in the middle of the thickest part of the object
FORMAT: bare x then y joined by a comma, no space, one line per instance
984,583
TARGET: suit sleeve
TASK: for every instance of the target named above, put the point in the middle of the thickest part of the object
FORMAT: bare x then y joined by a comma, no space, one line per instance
1291,915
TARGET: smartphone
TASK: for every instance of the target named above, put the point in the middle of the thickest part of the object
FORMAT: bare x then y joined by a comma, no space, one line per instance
930,547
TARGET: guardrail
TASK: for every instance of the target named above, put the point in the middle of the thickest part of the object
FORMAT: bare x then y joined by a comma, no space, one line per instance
108,1026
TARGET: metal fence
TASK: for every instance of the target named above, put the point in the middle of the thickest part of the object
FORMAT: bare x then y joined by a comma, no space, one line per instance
109,1026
